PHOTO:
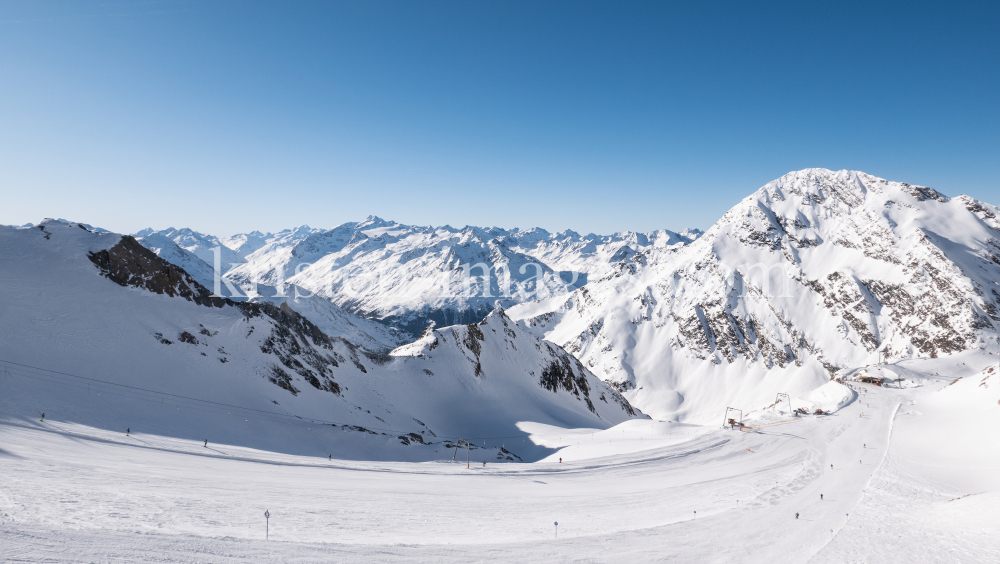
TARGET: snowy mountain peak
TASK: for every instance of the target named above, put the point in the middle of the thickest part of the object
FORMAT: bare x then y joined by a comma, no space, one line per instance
814,271
373,221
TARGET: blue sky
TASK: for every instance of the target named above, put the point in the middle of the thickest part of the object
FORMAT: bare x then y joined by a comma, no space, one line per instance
229,116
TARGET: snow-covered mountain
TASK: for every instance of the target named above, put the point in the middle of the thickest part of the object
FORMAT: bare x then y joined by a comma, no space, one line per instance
102,306
329,317
333,320
116,364
168,249
815,271
245,244
408,276
198,244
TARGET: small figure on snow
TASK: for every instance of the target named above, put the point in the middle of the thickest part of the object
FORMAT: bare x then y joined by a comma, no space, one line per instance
796,515
821,497
43,416
127,431
560,458
484,464
331,458
206,443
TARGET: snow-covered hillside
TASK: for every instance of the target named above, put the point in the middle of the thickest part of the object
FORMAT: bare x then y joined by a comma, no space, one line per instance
332,319
898,475
103,311
814,272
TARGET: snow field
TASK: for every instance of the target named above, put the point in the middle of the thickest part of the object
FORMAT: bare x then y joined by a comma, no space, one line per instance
74,493
77,482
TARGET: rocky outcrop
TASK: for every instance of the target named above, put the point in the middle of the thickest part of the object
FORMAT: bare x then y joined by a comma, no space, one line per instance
298,345
128,263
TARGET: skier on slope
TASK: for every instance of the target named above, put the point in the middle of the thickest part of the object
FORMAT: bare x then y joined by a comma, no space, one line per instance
796,515
127,431
821,497
43,417
206,443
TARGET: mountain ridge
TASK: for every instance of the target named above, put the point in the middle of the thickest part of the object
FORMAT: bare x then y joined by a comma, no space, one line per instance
425,281
102,306
815,271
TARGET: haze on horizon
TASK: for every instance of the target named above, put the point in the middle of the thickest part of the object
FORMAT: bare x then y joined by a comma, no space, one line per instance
232,116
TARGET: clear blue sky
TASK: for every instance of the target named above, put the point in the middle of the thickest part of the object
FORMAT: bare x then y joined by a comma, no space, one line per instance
228,116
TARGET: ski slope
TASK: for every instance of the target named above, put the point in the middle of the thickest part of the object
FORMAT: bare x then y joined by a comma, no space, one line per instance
906,474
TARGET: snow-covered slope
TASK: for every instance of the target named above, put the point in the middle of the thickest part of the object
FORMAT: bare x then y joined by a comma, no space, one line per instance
815,271
101,306
899,475
332,319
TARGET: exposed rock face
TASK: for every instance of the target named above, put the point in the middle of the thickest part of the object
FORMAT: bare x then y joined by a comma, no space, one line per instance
130,264
560,374
816,271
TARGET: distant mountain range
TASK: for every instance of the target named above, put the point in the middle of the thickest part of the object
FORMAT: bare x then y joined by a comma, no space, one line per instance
409,276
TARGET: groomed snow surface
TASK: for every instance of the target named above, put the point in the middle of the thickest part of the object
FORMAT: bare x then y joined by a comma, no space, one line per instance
907,474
